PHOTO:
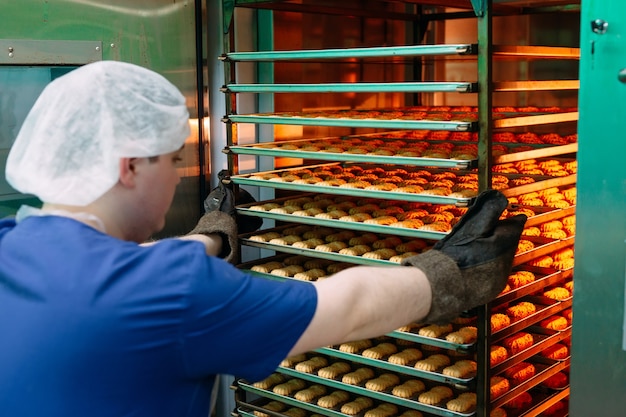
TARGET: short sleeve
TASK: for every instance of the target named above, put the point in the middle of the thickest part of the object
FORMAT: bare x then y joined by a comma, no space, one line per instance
240,324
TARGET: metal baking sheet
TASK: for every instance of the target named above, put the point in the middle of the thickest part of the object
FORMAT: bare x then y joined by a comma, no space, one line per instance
545,214
545,369
387,51
405,370
544,277
312,253
540,185
542,247
288,400
389,195
344,156
545,307
338,224
333,256
459,126
543,339
537,153
381,396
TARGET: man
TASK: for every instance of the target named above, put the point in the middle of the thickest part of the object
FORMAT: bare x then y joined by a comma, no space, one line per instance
97,324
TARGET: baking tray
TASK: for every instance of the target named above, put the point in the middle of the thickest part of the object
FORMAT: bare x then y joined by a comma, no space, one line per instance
287,400
384,396
546,307
543,246
544,277
312,253
543,339
389,195
405,370
548,182
544,214
542,400
333,256
339,224
271,118
263,149
354,389
541,152
545,368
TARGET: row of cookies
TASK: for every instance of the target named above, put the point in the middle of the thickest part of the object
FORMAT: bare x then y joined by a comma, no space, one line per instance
430,394
367,245
343,242
459,184
529,138
349,404
553,197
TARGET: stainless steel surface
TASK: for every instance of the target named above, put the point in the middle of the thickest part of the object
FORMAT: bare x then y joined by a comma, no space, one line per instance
49,52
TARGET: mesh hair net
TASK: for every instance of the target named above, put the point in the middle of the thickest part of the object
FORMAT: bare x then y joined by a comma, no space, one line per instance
68,149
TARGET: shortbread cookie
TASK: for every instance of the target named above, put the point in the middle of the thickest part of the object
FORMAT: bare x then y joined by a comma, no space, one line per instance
356,406
310,275
464,335
271,406
265,237
435,395
288,387
333,400
408,388
286,240
461,369
433,362
310,393
295,412
383,382
331,247
291,361
463,403
270,381
405,357
387,243
334,370
358,376
287,271
435,330
383,410
357,250
312,365
356,346
380,254
380,351
267,267
308,244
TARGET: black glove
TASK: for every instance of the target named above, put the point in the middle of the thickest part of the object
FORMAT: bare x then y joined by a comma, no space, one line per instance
471,265
221,217
223,198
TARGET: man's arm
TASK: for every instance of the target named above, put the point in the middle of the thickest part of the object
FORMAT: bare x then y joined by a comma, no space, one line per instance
363,302
212,242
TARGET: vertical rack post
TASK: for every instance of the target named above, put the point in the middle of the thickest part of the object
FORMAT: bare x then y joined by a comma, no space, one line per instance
485,126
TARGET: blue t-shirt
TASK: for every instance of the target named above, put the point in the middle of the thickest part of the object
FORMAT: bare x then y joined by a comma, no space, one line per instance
91,325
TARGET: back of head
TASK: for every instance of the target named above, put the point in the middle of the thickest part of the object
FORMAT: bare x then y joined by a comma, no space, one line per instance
68,149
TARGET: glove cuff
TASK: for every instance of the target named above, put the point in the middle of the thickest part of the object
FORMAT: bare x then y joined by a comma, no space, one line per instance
446,282
217,222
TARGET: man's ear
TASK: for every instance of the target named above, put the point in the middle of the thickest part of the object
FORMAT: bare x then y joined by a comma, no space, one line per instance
128,171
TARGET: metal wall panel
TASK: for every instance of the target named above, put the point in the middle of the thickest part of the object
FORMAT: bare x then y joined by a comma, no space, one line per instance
157,34
598,374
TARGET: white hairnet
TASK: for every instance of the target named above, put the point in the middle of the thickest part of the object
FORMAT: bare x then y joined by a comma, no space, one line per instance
68,149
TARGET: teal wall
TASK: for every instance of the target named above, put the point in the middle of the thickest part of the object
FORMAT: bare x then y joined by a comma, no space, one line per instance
598,373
